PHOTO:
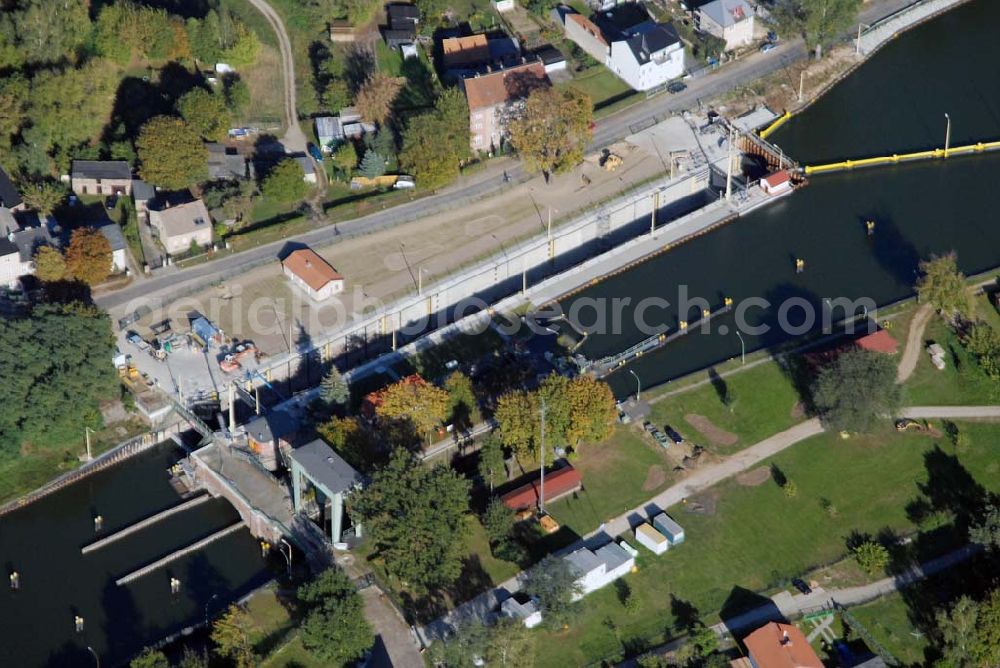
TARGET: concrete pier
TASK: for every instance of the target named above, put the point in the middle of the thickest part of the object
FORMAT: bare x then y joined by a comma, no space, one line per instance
142,524
177,554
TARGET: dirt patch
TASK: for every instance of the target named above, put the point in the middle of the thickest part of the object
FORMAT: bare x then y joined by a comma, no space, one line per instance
703,504
715,435
655,477
798,410
754,478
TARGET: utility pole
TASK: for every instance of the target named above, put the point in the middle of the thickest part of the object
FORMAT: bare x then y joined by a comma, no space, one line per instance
541,484
524,274
652,216
802,83
729,168
232,409
420,281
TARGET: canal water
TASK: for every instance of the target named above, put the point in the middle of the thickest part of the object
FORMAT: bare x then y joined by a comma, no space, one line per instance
893,103
42,542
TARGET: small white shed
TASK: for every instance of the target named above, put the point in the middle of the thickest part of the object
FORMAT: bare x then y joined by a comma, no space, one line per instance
669,528
651,539
528,612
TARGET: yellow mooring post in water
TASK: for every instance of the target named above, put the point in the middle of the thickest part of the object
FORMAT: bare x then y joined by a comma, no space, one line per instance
870,227
800,265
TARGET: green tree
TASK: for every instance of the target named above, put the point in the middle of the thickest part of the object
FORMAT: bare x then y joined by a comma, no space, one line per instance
819,22
244,47
856,391
491,462
231,635
435,143
51,30
285,183
517,414
69,107
333,387
415,518
150,658
372,165
984,343
334,628
205,37
432,162
553,129
351,441
171,154
345,159
51,390
943,286
463,409
498,520
13,107
970,633
510,644
554,583
207,113
987,530
50,266
43,195
872,557
88,256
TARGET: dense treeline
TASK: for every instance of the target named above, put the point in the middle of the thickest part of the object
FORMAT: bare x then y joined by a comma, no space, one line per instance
62,67
57,367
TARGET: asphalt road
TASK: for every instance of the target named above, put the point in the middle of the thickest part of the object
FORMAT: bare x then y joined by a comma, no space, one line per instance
173,282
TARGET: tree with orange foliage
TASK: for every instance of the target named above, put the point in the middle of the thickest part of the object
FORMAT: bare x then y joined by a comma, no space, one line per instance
88,257
413,398
376,96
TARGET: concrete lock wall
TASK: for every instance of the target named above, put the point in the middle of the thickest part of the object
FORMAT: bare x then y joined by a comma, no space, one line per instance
881,32
259,524
530,256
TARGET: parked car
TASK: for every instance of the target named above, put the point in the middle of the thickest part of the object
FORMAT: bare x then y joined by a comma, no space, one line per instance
767,47
801,585
315,152
676,87
136,340
111,202
673,434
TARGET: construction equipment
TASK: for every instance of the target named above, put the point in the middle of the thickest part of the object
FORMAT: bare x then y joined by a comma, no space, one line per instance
233,360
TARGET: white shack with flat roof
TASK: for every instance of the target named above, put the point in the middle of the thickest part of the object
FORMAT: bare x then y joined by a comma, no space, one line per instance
669,528
651,539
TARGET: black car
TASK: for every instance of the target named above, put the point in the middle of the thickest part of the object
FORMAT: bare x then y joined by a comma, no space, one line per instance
673,434
676,87
801,585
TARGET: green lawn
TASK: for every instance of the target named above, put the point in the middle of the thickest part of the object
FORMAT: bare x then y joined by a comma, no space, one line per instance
600,84
617,475
961,381
758,538
762,402
888,621
36,467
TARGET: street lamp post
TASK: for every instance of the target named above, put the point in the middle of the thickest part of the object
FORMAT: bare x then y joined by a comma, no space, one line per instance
947,134
857,47
638,384
743,348
288,557
97,659
86,433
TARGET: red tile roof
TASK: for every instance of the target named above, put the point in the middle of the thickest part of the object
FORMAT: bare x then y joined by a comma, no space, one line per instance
311,268
558,483
777,178
781,646
879,342
512,83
